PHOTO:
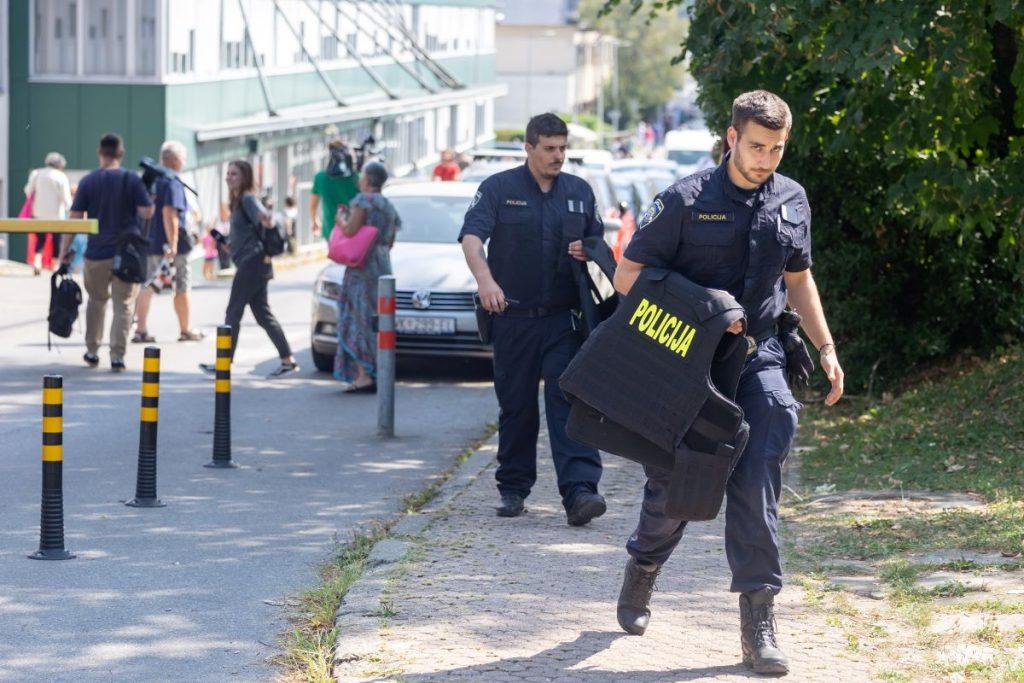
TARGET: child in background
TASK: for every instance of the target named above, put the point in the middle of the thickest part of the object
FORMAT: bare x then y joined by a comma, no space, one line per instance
209,253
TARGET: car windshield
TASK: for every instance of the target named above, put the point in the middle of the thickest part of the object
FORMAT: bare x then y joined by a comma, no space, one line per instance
687,157
430,219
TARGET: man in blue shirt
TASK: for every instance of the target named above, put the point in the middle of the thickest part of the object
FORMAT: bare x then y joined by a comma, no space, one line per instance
534,218
743,228
169,240
118,199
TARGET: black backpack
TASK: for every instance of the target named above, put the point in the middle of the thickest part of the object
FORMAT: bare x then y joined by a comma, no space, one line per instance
273,238
65,298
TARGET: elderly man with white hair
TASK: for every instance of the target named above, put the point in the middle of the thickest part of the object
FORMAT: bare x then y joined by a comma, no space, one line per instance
169,239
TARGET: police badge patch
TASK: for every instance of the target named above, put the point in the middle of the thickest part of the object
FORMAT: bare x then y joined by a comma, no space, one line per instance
476,200
652,212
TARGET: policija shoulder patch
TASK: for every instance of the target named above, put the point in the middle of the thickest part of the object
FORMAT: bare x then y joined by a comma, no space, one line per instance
476,200
652,212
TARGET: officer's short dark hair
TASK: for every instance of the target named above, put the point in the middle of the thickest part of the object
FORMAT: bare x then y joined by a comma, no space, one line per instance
763,108
112,146
547,125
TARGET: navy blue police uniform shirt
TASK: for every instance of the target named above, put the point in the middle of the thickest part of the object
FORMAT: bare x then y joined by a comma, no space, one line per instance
168,193
111,196
529,232
717,235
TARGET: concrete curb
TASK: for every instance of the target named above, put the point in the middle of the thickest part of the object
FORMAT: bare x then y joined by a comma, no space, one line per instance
358,616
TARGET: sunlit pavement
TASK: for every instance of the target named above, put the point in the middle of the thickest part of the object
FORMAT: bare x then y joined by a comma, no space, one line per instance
194,590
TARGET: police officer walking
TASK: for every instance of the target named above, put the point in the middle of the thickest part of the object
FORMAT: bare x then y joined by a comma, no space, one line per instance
534,218
743,228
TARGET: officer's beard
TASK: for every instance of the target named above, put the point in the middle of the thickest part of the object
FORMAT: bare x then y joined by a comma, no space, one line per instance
750,175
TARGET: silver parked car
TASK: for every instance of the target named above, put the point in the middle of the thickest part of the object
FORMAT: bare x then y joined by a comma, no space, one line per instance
435,287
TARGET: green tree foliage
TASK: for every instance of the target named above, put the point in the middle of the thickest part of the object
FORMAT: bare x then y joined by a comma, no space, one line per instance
908,122
647,76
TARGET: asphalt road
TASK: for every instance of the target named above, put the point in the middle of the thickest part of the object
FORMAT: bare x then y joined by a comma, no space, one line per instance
194,591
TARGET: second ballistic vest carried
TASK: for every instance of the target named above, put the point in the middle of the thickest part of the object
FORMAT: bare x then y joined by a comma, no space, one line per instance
656,383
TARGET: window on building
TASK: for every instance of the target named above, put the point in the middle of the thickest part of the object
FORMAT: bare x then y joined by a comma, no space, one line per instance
185,62
145,38
56,37
299,57
480,119
106,37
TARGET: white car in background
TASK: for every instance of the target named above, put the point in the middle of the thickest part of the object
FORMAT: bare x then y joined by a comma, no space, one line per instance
435,312
690,149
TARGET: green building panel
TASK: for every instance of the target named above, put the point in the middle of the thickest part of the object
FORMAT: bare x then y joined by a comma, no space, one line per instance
70,117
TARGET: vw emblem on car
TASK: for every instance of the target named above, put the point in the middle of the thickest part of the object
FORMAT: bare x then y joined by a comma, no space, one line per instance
421,299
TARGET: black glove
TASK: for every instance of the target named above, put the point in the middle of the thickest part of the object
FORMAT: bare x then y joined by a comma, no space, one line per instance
799,365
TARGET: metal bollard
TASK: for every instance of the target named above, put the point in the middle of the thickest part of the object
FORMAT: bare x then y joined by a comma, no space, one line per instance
51,525
145,480
386,340
222,402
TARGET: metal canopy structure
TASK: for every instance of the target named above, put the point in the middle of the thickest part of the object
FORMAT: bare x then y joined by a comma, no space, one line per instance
386,15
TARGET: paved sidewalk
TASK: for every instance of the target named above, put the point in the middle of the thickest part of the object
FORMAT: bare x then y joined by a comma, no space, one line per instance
532,599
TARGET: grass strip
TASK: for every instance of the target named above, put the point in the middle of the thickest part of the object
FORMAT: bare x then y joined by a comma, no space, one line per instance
962,430
309,645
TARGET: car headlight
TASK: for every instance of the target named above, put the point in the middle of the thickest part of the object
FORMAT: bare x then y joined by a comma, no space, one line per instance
328,289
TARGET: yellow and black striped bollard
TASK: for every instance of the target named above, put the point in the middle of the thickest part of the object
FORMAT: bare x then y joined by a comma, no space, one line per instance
222,401
51,525
145,480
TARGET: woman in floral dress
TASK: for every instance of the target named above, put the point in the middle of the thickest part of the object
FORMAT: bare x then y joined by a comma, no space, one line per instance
356,361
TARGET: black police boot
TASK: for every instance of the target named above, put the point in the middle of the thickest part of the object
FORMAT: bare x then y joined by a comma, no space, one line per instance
633,612
584,507
511,505
757,634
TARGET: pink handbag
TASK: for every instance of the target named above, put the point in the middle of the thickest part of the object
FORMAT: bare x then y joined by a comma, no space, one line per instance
26,208
351,251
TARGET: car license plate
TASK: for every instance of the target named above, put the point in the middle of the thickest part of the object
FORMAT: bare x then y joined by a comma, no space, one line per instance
424,325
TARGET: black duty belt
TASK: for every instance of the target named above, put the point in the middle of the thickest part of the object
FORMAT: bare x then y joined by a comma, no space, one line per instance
534,312
754,339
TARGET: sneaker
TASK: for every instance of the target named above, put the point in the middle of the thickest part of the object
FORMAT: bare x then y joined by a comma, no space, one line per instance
117,366
283,369
142,338
91,359
191,335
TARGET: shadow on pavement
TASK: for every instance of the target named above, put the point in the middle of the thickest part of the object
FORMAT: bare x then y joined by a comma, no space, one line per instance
563,660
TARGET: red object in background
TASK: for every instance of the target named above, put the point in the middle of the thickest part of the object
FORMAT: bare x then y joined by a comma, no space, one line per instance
31,243
30,249
447,171
625,233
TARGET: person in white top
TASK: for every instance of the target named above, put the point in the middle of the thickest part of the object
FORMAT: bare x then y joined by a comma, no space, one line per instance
51,198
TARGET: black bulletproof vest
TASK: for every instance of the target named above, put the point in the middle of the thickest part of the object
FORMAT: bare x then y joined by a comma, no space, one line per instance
655,383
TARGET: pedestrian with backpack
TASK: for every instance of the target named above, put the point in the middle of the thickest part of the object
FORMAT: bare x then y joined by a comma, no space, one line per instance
253,239
115,257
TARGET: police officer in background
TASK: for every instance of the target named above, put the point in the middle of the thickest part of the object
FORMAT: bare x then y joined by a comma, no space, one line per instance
535,218
743,228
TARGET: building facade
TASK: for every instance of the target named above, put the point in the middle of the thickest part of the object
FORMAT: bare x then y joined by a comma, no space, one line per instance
548,62
267,80
4,135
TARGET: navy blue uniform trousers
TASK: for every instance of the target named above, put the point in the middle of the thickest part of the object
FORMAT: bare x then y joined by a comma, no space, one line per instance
527,350
752,494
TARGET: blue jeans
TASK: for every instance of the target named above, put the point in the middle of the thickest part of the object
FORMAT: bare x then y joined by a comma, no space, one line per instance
752,494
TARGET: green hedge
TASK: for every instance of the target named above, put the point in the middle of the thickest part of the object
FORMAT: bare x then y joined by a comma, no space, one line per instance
908,130
509,134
